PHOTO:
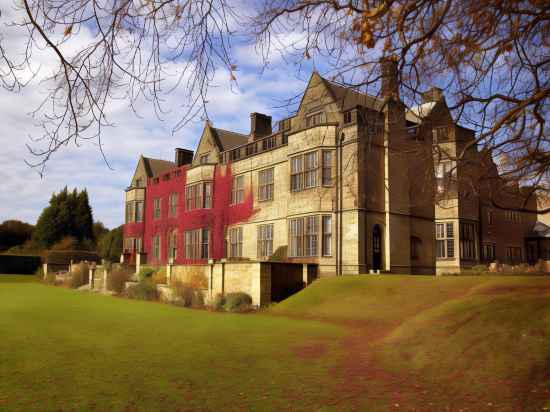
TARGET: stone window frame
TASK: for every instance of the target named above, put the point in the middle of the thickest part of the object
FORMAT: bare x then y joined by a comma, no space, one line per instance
204,158
444,239
173,201
440,134
266,186
316,118
326,235
265,240
468,249
157,208
235,242
157,246
237,189
198,196
129,212
173,244
307,236
195,245
327,171
348,117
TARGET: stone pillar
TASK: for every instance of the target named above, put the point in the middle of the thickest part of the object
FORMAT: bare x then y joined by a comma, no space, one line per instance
122,258
91,274
45,270
105,273
138,263
305,274
169,271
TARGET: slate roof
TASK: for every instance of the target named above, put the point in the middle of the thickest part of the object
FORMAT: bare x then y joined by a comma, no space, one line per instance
348,98
417,113
155,167
229,140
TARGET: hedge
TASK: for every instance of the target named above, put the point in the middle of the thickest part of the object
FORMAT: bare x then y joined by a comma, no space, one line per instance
19,264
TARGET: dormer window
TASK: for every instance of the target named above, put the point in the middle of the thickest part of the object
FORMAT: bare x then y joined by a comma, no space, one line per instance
284,125
139,182
315,119
204,158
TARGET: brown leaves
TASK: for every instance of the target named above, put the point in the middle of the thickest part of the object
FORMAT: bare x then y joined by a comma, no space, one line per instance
68,30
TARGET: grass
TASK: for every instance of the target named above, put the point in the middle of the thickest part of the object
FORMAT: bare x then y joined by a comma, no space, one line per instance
373,343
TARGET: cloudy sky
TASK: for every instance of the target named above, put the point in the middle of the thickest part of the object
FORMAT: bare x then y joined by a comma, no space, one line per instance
23,193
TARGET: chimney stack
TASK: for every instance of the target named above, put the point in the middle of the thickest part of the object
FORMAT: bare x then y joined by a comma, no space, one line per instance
260,126
390,84
433,95
183,157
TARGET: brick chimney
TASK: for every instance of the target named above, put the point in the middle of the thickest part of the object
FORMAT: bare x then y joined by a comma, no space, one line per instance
260,126
390,84
433,95
183,157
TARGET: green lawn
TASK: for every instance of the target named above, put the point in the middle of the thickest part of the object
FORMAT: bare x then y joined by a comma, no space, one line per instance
369,343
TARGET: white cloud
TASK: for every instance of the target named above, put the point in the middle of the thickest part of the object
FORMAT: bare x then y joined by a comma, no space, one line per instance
24,194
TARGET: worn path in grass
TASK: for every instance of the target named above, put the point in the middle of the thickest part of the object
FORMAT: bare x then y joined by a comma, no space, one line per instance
369,343
436,344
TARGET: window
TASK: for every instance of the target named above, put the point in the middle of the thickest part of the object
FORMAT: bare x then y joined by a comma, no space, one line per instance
265,185
139,245
236,242
467,241
197,244
310,173
512,216
204,158
327,167
205,249
265,240
139,211
237,191
444,234
315,119
445,174
128,244
198,196
440,134
173,244
304,236
513,255
129,212
327,235
347,117
207,195
415,247
174,204
139,182
296,173
490,216
156,208
156,247
488,252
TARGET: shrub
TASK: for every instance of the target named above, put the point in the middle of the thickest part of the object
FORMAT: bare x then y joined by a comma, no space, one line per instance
237,302
219,302
117,278
39,273
144,290
159,277
78,276
187,295
146,272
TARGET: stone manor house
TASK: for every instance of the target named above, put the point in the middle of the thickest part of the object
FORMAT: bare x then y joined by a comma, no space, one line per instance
351,183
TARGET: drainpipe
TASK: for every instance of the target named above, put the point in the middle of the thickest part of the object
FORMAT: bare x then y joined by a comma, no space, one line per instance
340,203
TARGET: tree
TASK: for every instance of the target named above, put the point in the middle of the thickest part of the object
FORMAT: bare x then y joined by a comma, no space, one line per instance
110,244
68,216
14,233
491,57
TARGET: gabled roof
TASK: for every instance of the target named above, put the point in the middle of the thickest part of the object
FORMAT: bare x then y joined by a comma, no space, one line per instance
155,167
347,98
417,113
228,139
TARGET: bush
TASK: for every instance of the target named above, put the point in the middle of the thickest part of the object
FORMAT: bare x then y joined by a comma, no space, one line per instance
146,272
237,302
159,277
219,302
143,290
78,276
187,295
118,277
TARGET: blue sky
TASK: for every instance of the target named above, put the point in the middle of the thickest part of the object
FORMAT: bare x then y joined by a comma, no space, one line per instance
24,193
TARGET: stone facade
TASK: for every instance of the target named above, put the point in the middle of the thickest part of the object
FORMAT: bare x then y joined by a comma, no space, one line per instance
349,184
